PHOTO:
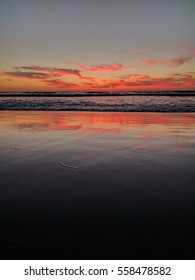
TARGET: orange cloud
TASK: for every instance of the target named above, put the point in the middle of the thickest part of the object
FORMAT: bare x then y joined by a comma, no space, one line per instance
55,78
61,84
140,81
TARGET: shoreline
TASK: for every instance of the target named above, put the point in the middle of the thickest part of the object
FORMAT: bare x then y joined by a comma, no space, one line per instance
100,111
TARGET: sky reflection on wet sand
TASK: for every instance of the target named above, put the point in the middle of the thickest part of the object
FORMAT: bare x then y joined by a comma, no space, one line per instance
133,183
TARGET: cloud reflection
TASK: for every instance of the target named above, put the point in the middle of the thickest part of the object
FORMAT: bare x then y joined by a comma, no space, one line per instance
96,122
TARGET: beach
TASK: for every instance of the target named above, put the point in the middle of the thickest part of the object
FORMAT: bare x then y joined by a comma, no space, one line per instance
97,185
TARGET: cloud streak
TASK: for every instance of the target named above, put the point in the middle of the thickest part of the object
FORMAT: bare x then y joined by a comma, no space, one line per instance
175,62
101,67
51,71
28,75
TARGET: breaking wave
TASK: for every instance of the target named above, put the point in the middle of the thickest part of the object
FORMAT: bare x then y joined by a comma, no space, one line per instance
118,102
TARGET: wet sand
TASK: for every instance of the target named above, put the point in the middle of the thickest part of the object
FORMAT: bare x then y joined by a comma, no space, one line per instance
92,185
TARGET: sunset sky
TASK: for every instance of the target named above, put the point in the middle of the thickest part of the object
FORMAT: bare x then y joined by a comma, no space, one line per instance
94,45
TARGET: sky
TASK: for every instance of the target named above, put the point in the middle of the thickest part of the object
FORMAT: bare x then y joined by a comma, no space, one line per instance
96,45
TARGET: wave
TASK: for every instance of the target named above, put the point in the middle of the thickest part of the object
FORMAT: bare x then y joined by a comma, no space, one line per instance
123,103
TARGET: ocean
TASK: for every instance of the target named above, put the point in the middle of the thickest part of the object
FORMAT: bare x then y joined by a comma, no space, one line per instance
170,101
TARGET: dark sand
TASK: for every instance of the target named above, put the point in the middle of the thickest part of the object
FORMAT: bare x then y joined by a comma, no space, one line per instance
76,185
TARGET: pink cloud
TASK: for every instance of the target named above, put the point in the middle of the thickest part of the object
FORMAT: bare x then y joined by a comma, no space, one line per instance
175,62
101,67
188,47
